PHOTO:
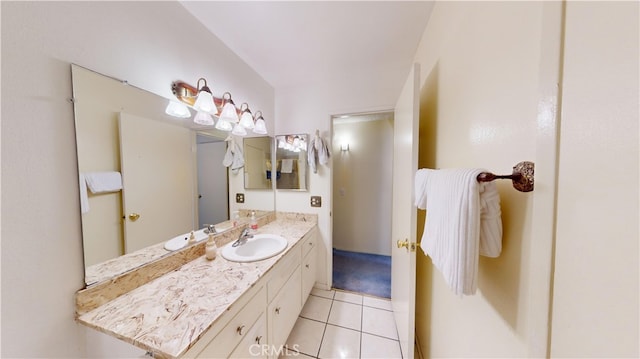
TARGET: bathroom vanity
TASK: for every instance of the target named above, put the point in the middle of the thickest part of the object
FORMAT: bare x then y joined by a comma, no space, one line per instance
219,308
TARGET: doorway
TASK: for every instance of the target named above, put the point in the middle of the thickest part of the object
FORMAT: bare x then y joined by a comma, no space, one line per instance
362,182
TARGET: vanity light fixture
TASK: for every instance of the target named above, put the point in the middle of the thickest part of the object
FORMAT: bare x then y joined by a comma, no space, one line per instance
260,126
246,118
239,130
344,147
229,112
204,100
177,109
207,105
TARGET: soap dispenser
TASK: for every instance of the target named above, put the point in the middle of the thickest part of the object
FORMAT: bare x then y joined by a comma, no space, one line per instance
210,248
253,223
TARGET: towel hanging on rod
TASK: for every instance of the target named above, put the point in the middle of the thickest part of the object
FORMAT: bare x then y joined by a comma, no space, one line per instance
522,176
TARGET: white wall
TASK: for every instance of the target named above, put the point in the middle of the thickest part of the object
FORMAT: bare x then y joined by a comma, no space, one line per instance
480,65
362,184
491,73
596,283
150,44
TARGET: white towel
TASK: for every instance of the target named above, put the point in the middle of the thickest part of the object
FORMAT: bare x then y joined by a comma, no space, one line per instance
287,165
103,182
84,196
463,221
318,151
234,157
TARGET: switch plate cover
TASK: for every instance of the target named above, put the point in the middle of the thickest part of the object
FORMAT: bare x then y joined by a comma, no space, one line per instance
316,201
239,197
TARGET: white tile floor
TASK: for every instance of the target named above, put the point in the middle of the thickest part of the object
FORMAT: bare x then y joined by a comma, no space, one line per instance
336,324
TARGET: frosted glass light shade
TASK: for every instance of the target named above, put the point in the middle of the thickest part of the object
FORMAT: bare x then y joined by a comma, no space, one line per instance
204,102
260,126
229,113
239,130
177,109
246,120
203,118
224,126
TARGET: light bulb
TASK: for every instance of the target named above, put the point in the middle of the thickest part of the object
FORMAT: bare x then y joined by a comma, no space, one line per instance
204,102
239,130
177,109
203,118
260,127
246,120
223,125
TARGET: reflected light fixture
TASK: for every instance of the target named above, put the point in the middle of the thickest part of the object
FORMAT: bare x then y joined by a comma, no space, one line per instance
344,147
229,113
204,100
246,118
203,118
224,126
239,130
177,109
260,126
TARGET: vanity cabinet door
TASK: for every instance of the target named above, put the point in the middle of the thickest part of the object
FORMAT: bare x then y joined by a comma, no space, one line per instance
308,273
254,344
284,310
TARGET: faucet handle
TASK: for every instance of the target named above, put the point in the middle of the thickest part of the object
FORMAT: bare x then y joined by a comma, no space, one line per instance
210,228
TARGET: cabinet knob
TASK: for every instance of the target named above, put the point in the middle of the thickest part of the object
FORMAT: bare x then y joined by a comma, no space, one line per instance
278,310
134,217
306,265
258,339
239,330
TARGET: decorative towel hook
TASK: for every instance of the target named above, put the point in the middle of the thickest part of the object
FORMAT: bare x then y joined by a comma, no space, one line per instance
522,176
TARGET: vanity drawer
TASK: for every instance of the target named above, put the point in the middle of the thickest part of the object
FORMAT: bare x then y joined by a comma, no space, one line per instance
236,330
282,272
254,344
309,242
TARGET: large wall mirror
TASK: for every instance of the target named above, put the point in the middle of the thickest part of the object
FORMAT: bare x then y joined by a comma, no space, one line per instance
291,162
171,171
257,163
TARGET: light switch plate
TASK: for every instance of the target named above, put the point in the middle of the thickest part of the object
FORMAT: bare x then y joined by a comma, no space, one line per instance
316,201
239,197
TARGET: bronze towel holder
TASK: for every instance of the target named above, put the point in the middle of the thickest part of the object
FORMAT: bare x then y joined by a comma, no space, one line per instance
522,176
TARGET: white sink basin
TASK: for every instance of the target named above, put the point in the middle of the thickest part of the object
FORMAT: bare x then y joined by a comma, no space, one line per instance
182,240
261,246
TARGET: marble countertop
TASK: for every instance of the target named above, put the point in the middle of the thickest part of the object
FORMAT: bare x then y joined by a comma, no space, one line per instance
168,315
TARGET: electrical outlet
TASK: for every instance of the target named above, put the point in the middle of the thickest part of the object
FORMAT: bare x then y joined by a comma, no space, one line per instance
316,201
239,197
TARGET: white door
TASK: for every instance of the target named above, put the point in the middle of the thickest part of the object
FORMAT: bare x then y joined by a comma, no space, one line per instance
158,196
403,225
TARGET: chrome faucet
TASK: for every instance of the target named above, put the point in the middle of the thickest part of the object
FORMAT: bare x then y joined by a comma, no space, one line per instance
243,237
210,229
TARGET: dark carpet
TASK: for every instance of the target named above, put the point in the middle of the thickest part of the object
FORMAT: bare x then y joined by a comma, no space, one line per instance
363,273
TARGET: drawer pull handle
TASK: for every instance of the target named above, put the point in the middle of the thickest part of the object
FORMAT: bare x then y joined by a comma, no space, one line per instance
258,339
278,310
239,330
306,265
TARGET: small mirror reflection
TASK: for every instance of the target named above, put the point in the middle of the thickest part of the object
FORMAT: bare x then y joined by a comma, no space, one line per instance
291,162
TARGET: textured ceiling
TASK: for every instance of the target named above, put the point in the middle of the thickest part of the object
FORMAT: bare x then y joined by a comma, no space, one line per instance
294,43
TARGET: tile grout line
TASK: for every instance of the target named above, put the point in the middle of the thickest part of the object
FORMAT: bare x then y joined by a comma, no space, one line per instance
361,326
326,323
